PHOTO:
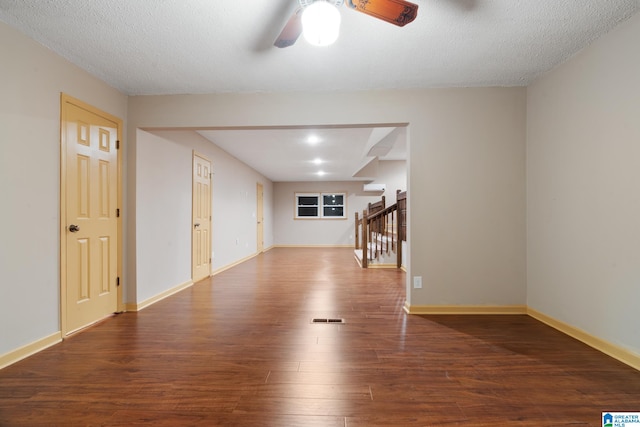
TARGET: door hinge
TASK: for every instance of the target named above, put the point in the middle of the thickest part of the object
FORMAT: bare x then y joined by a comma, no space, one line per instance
209,260
117,144
118,213
117,281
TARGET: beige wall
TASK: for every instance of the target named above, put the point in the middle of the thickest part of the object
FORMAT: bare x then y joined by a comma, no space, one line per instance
163,216
467,193
390,173
466,175
289,231
393,174
583,190
317,232
31,80
234,201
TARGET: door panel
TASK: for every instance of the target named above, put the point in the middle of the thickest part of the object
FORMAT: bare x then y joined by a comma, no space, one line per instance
201,213
90,192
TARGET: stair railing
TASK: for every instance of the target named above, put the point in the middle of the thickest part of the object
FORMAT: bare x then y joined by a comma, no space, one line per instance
382,229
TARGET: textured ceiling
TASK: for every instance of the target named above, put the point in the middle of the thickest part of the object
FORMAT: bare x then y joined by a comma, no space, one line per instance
209,46
144,47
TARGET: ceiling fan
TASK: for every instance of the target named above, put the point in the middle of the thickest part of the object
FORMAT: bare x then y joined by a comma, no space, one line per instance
396,12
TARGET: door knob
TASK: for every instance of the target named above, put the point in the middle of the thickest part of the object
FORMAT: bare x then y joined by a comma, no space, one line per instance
197,224
74,228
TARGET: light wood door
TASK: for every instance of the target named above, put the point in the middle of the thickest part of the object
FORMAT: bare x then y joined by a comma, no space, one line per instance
90,214
201,218
260,217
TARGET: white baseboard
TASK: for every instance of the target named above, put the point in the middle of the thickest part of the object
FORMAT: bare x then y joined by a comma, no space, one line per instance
233,264
623,355
465,309
314,246
370,265
146,303
27,350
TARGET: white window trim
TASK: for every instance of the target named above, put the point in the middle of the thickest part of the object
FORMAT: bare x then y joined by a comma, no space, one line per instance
320,206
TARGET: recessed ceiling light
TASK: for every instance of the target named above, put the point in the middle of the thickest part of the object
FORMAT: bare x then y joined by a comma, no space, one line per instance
321,173
313,139
317,161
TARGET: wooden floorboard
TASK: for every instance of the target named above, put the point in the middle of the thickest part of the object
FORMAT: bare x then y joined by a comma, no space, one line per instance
240,350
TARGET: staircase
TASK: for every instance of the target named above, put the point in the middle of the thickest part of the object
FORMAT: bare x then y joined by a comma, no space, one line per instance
380,234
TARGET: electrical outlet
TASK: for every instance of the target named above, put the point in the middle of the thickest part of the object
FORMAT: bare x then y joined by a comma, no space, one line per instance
417,282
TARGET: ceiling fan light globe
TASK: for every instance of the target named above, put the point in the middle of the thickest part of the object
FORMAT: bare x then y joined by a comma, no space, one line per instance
321,23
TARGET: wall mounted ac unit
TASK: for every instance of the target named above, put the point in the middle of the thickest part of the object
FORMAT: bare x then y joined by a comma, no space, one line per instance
374,187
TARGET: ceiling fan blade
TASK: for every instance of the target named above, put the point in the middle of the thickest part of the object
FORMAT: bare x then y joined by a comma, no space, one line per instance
396,12
291,30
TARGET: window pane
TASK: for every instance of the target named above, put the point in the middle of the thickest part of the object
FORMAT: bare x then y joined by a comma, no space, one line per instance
307,211
307,201
333,200
333,211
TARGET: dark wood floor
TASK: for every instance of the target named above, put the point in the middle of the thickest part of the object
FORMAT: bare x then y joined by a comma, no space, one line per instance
240,350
